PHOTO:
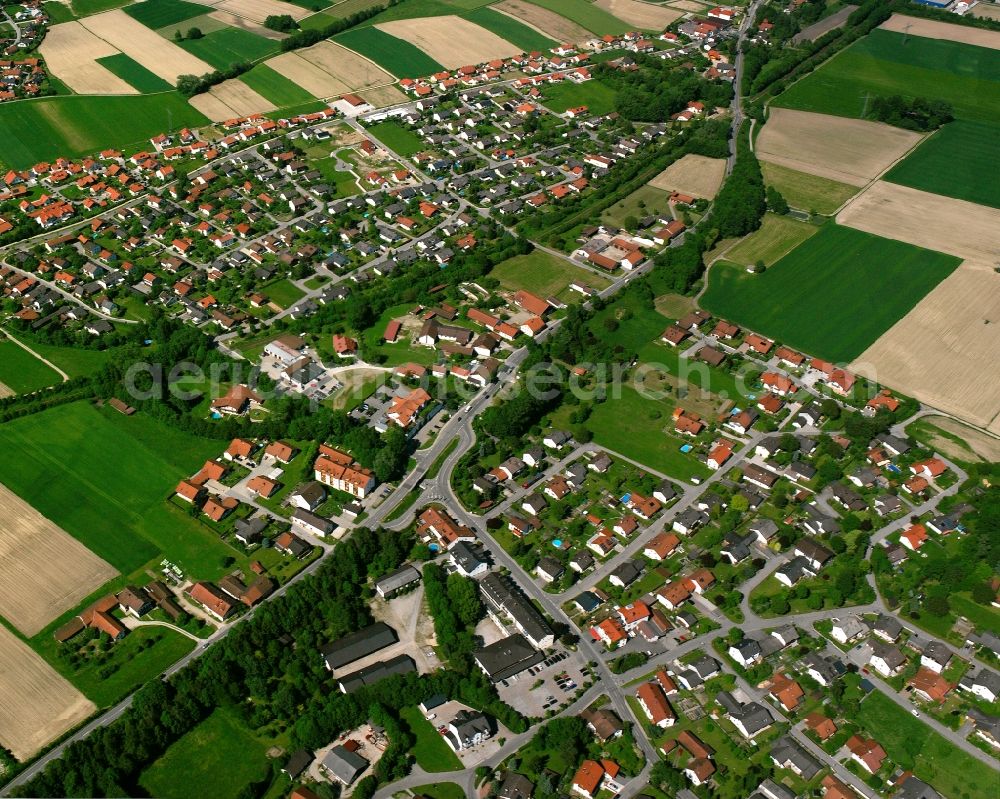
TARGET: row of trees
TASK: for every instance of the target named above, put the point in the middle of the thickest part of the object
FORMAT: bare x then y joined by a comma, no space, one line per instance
916,113
456,607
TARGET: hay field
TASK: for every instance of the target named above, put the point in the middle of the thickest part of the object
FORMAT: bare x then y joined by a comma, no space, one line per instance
71,52
38,704
44,571
932,29
687,5
943,352
642,15
306,74
385,95
696,175
241,98
986,11
242,23
940,433
212,107
355,71
450,40
851,151
544,21
957,227
158,55
259,10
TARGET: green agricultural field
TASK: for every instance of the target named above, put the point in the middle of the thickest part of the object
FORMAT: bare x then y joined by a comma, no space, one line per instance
517,33
228,46
807,192
112,488
426,8
161,13
433,755
44,129
22,372
348,7
316,21
400,58
275,87
585,13
642,202
544,274
832,296
84,8
220,756
598,98
74,361
885,63
913,745
58,12
776,237
950,162
401,140
134,74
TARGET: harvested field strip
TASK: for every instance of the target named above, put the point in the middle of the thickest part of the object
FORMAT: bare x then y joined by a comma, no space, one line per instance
935,29
384,95
206,23
241,98
346,65
260,10
807,192
951,161
696,175
161,13
515,32
71,52
589,15
810,298
157,54
44,129
274,87
43,570
643,15
399,57
137,76
307,75
882,63
546,22
223,48
226,19
39,705
212,107
451,40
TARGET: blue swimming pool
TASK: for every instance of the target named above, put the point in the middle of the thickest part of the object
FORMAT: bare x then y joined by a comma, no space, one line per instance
686,448
557,543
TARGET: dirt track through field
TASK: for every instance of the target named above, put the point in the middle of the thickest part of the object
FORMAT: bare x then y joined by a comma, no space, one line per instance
851,151
353,70
71,52
38,705
44,571
696,175
932,29
546,22
260,10
642,15
157,54
451,41
944,351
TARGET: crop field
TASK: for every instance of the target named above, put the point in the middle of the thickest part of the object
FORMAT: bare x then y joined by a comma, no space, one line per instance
21,371
544,274
112,491
397,138
223,48
44,129
935,29
546,22
807,192
71,52
599,98
589,15
951,161
275,87
348,7
646,16
161,13
450,40
134,73
317,21
884,63
220,756
776,237
43,570
517,33
260,10
692,174
38,704
399,57
810,298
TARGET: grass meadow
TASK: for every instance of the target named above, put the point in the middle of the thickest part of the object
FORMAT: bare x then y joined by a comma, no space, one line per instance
833,295
776,237
517,33
599,98
544,274
275,87
164,12
22,372
228,46
590,16
401,58
807,192
135,74
398,138
433,755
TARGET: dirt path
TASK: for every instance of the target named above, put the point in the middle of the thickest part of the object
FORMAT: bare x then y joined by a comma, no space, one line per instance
47,362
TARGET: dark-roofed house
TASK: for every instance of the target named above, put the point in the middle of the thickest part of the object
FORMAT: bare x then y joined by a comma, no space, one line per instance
788,753
344,765
397,581
515,786
507,657
401,664
355,646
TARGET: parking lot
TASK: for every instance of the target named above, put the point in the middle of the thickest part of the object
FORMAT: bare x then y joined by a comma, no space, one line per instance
548,685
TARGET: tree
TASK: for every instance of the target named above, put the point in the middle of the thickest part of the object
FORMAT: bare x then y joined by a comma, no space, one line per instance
983,593
779,605
178,36
937,605
775,201
283,23
195,33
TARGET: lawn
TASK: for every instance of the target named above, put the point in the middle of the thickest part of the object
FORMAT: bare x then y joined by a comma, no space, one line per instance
44,129
22,372
543,274
517,33
75,362
134,74
599,98
399,57
885,63
220,756
433,755
777,236
400,140
228,46
587,14
275,87
950,162
832,296
807,192
642,202
283,292
161,13
115,474
913,745
439,790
